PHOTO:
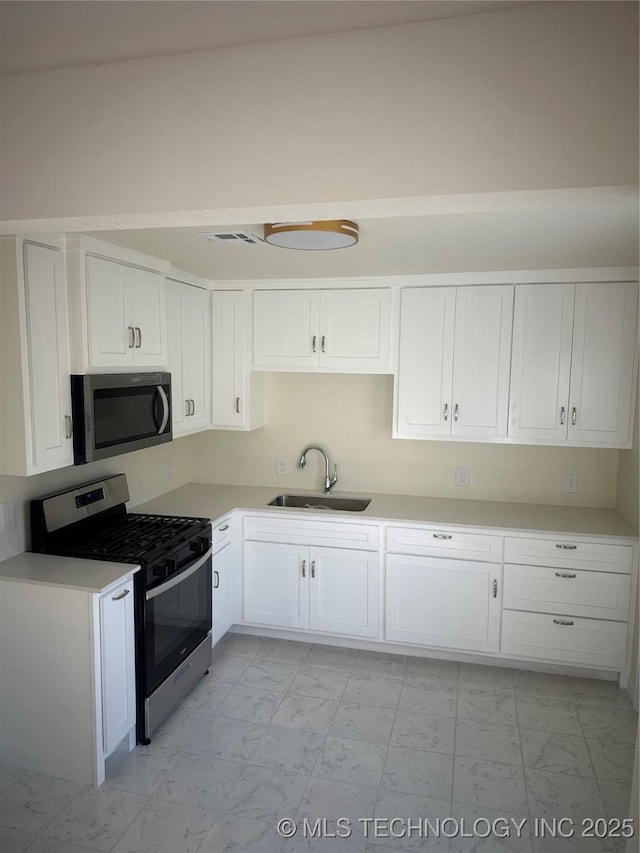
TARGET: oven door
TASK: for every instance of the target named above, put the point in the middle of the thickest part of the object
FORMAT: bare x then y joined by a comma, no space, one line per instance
177,618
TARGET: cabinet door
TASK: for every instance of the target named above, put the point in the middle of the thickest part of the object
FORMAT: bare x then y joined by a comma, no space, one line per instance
110,331
355,329
426,361
195,354
148,315
276,584
48,352
118,665
229,404
285,328
222,573
541,361
179,419
602,367
437,602
481,361
343,591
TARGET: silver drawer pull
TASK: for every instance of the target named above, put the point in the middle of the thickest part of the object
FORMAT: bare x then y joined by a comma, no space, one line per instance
223,528
442,536
313,568
216,575
565,574
237,405
446,412
121,596
304,568
567,547
563,621
68,423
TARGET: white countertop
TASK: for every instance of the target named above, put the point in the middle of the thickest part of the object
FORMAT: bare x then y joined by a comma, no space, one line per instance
214,500
67,572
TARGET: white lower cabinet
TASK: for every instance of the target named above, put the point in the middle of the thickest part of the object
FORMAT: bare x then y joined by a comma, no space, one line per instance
67,678
308,587
564,639
566,601
223,564
117,644
432,601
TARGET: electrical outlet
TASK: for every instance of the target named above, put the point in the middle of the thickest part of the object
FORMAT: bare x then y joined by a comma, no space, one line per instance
462,476
8,515
281,467
570,483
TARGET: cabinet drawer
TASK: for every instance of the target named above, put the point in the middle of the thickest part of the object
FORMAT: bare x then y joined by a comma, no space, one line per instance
565,553
564,639
432,542
222,532
333,534
601,595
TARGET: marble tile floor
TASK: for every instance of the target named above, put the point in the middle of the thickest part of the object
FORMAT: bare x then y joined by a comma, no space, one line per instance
281,729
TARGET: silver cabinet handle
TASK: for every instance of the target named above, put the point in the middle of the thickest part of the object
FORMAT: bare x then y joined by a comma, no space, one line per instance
68,426
223,528
121,596
186,409
456,410
567,547
304,568
322,343
446,411
442,536
563,621
193,407
216,583
237,405
495,588
138,337
313,343
566,574
313,568
562,415
574,416
132,337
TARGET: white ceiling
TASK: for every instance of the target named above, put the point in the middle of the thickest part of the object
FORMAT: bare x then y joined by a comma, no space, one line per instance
597,229
36,35
573,228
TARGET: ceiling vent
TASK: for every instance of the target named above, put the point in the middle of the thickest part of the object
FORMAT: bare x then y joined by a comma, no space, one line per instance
231,238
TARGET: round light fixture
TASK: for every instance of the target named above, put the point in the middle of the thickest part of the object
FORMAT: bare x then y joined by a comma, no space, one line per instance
332,234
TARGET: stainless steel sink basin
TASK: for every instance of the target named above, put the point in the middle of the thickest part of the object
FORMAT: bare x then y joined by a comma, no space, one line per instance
321,502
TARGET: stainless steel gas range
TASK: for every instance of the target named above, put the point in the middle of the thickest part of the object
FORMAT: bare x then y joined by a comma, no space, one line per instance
173,602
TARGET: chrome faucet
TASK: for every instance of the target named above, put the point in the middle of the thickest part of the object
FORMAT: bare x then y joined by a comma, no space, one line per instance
329,480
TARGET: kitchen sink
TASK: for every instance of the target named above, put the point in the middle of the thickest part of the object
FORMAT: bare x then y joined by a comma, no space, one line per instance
321,502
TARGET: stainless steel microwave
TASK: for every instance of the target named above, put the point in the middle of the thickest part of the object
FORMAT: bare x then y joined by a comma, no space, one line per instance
116,413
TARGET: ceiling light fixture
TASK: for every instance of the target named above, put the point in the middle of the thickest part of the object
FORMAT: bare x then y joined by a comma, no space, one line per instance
332,234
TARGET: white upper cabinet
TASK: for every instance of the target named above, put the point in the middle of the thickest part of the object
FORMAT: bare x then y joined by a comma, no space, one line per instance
36,403
126,315
574,349
189,356
327,330
453,372
237,394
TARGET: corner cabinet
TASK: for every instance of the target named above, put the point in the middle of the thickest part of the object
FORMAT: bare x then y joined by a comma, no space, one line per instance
453,371
237,393
345,330
36,424
573,368
189,349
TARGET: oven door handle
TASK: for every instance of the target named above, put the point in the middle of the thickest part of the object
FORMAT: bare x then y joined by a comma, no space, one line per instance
165,406
178,578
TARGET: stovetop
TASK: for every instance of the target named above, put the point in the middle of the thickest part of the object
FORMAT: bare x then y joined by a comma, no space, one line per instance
128,538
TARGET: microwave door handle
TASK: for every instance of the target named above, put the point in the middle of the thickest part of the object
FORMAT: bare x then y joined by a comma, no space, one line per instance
178,578
165,405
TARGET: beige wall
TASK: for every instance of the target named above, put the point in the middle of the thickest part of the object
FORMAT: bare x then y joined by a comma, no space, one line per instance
145,470
352,416
515,99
